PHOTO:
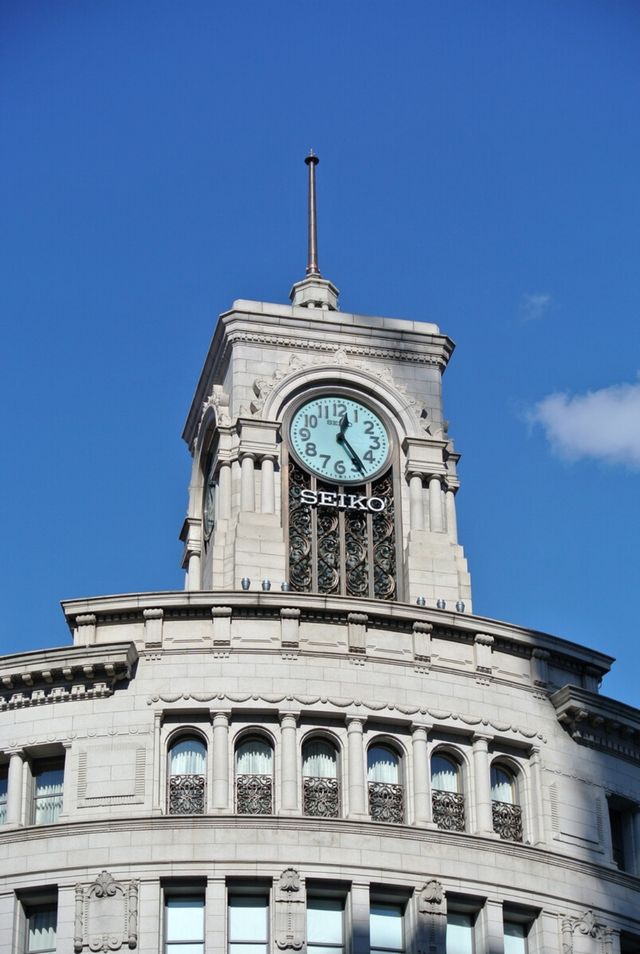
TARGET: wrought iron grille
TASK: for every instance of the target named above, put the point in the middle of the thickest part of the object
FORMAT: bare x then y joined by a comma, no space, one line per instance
448,810
321,797
342,551
386,802
254,795
507,820
187,794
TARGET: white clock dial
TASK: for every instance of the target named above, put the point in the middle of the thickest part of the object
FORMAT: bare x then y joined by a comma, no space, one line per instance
339,439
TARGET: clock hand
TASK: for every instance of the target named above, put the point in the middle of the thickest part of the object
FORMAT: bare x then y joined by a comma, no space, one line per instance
341,439
344,424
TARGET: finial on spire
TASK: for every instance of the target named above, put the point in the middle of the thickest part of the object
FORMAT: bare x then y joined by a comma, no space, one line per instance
312,256
313,291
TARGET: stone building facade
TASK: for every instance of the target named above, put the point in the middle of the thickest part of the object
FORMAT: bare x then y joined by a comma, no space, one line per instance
316,745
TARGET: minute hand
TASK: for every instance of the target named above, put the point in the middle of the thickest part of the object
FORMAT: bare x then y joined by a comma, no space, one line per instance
341,439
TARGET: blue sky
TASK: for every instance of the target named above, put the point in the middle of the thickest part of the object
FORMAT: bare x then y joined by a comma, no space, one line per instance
479,168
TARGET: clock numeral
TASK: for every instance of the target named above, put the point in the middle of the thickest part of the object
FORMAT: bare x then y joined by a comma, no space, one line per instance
369,456
368,427
339,410
339,467
310,449
323,410
304,433
375,443
325,458
310,420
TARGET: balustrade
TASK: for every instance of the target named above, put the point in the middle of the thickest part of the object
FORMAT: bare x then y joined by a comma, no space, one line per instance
448,811
321,797
386,802
187,794
254,795
507,820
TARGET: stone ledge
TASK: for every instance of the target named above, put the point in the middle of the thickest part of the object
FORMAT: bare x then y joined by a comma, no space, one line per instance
599,722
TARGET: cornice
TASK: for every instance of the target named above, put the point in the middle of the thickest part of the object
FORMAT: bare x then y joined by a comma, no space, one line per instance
65,674
599,722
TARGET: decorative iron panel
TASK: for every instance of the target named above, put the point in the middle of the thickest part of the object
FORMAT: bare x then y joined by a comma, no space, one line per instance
300,573
448,810
386,802
254,795
339,550
321,797
507,820
187,795
384,541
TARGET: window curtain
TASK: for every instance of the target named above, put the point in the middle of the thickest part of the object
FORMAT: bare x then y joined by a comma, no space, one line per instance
502,787
188,757
319,760
42,931
444,774
254,758
48,795
3,798
382,765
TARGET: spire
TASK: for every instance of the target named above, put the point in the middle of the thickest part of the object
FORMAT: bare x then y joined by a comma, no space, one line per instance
313,291
312,258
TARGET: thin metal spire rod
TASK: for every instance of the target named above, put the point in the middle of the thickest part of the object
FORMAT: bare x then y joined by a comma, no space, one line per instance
312,257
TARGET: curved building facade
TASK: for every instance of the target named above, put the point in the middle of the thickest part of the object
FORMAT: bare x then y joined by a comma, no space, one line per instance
316,745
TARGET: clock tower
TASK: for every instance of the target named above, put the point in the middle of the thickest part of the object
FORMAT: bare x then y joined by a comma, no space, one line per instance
321,458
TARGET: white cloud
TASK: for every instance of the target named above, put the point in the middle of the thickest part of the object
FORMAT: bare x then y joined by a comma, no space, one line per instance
534,307
604,424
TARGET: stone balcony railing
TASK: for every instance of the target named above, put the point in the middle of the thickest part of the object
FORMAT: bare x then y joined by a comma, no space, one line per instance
507,820
321,797
254,795
448,811
386,802
187,795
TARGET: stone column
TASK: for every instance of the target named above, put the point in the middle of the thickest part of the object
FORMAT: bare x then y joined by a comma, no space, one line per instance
422,806
289,789
159,765
193,572
435,503
14,788
268,496
247,483
220,784
358,807
224,490
484,816
360,906
535,798
416,507
450,507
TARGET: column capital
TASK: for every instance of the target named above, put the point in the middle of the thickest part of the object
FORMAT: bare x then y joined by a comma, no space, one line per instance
481,740
246,455
11,750
355,722
420,730
220,717
287,714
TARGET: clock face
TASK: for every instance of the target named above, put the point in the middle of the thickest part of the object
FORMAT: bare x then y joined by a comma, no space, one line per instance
339,439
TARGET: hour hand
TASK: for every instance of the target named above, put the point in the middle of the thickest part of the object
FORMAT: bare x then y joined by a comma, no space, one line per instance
344,424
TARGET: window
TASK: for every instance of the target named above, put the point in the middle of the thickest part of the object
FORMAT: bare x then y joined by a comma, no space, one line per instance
248,924
48,780
447,799
459,933
187,776
515,938
41,922
184,924
621,823
3,793
386,929
325,925
320,788
386,794
254,777
507,814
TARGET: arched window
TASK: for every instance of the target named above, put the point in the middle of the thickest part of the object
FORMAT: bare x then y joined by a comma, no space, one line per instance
507,814
320,787
187,776
254,777
386,792
446,795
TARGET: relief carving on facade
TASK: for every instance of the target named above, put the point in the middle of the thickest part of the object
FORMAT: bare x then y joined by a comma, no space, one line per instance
106,915
432,918
289,914
586,935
